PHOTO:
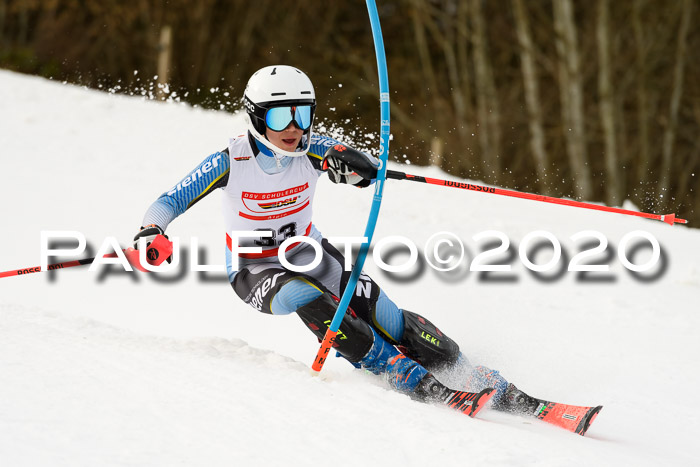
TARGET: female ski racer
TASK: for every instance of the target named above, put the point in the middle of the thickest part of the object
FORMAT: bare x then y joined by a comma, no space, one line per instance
268,176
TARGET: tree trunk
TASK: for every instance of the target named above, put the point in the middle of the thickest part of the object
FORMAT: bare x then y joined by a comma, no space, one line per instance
624,159
245,40
436,151
606,107
571,92
688,176
486,100
458,101
3,13
200,17
420,16
165,48
23,23
642,95
465,163
463,55
677,92
532,95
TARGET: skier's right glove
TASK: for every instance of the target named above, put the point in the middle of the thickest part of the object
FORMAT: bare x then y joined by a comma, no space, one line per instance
149,233
347,165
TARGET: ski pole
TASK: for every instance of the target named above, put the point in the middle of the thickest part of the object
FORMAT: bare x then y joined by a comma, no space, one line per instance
667,218
157,252
329,337
51,267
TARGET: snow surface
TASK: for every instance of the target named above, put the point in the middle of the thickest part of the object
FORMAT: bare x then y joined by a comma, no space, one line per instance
128,371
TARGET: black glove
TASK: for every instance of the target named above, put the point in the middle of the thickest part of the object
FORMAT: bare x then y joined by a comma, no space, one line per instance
340,172
150,232
347,165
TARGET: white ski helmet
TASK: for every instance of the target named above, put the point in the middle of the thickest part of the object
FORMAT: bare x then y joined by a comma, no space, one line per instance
280,86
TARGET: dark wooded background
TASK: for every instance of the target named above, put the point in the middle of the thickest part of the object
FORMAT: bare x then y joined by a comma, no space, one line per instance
597,100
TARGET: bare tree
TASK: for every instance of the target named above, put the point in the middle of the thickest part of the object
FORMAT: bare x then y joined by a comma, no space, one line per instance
488,110
164,53
3,13
244,43
449,46
613,184
571,94
23,35
419,16
627,66
532,95
674,104
642,93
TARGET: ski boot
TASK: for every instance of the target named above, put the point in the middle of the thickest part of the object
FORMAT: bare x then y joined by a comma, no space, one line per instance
430,390
516,401
406,375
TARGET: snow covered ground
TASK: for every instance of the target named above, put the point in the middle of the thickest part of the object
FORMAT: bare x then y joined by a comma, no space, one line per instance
124,370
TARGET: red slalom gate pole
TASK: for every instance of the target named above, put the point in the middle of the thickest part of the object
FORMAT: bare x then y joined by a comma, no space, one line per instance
667,218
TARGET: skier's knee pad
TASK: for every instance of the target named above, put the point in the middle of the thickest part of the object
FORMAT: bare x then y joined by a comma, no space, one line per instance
425,343
354,338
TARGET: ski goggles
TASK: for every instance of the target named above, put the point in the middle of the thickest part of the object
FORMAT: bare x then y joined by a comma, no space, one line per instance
279,118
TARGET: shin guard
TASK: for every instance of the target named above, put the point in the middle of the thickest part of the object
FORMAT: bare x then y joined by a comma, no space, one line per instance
425,343
354,338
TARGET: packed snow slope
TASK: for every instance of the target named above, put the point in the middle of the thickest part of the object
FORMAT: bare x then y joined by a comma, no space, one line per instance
121,369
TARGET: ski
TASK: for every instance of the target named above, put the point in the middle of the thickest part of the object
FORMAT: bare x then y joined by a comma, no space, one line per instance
469,403
574,418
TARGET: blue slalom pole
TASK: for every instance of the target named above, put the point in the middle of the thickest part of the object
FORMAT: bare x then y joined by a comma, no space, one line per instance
378,187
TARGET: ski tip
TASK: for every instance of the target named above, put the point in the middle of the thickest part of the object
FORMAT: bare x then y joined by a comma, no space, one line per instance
480,401
588,419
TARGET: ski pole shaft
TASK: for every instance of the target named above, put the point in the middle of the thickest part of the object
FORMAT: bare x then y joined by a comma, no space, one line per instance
157,251
667,218
51,267
385,133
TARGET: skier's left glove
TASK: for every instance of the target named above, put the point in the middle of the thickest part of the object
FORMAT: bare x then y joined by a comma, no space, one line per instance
347,165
